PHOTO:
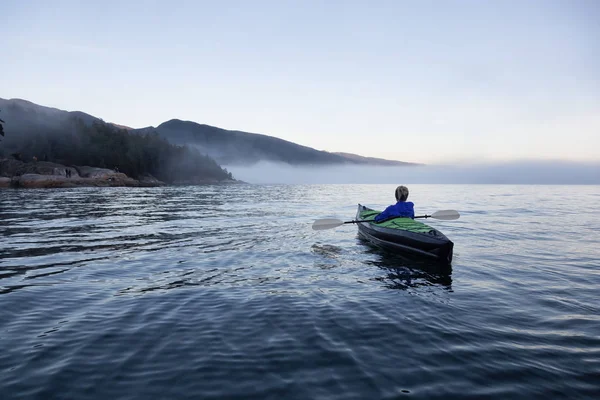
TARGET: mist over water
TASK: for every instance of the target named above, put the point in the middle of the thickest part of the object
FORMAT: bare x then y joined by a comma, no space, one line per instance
525,172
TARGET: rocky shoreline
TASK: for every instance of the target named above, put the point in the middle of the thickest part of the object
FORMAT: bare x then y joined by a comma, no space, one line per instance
42,174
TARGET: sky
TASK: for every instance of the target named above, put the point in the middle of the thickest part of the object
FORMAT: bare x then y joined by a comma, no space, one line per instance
421,81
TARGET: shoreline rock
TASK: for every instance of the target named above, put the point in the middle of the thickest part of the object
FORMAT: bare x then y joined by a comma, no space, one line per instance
42,174
38,181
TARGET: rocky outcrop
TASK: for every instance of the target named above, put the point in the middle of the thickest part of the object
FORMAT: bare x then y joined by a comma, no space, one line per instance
99,173
11,167
33,181
41,174
41,181
15,173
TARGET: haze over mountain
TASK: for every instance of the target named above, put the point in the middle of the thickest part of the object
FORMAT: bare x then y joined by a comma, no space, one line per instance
31,125
34,132
375,161
232,147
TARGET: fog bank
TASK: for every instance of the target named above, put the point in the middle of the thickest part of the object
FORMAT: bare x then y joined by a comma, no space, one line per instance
525,172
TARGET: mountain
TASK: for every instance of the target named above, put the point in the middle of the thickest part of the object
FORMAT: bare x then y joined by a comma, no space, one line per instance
230,147
227,147
34,132
241,148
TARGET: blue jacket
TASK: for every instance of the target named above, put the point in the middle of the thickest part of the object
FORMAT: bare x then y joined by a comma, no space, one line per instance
400,209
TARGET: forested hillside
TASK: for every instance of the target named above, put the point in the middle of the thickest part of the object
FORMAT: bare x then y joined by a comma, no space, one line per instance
45,134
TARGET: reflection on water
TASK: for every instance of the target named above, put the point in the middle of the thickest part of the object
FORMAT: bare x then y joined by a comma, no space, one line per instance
400,271
329,256
403,271
227,292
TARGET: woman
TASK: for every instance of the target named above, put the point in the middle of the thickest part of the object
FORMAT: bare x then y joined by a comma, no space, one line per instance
402,208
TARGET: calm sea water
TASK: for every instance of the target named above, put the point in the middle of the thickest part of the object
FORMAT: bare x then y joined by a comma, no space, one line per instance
219,292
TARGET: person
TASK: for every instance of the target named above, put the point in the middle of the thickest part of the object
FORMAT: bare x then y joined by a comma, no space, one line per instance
402,208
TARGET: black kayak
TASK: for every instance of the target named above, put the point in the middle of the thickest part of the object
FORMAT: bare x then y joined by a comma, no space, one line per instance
404,235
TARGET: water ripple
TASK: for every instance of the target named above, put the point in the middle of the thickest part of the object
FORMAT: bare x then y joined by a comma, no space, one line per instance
226,292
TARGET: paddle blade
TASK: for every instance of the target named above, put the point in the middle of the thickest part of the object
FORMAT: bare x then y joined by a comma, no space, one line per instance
327,223
446,215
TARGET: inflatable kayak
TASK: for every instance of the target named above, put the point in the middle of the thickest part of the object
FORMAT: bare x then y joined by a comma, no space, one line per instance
404,235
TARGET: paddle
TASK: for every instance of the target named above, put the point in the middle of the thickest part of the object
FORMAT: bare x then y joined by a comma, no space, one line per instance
329,223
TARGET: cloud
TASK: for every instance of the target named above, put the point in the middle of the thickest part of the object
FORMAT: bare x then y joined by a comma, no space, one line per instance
523,172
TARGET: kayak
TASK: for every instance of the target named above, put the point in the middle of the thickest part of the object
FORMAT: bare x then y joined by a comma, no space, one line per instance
404,235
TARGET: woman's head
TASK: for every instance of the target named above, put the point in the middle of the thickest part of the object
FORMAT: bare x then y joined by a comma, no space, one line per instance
401,193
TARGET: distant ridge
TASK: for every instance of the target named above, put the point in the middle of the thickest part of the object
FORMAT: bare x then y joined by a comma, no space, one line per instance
242,148
375,161
231,147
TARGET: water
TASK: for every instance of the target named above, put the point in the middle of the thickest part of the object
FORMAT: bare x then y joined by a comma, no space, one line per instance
218,292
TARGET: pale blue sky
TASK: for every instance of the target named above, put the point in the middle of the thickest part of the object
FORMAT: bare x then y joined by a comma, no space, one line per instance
425,81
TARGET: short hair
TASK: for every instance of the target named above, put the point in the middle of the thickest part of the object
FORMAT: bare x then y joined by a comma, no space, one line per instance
401,193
